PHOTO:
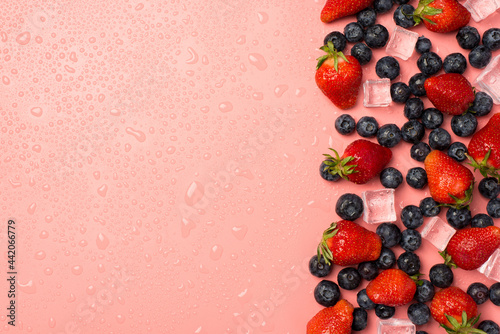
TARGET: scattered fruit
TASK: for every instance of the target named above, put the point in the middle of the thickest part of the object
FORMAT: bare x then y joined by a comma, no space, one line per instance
442,15
335,9
336,319
484,148
450,93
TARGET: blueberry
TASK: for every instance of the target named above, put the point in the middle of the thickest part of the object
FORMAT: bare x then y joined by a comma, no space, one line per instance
490,327
414,108
366,17
416,177
441,275
416,84
400,2
400,92
425,291
387,67
455,63
362,53
423,45
390,177
319,268
384,311
412,131
349,207
367,127
359,319
337,38
458,218
495,293
493,208
439,139
387,259
382,6
389,233
323,171
468,37
479,292
327,293
464,125
376,36
345,124
429,207
349,278
419,151
419,313
479,57
368,270
421,332
489,187
364,301
481,220
458,151
389,135
429,63
491,39
410,240
482,105
412,216
432,118
403,16
354,32
409,262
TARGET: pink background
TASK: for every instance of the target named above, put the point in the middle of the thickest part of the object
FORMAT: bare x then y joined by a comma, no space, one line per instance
160,159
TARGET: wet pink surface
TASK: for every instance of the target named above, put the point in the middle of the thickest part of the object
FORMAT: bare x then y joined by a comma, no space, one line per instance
161,158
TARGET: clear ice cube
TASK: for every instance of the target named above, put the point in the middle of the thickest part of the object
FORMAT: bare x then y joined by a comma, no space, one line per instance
396,326
377,93
488,80
481,9
402,43
438,232
379,206
491,268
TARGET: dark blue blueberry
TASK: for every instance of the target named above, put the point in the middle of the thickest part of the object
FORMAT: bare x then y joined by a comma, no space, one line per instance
345,124
412,217
327,293
423,45
441,275
480,56
414,108
495,293
368,270
488,326
458,218
429,63
387,67
432,118
354,32
479,292
359,319
458,151
400,2
389,233
387,258
384,311
390,177
367,17
349,207
319,268
416,177
323,171
412,131
421,332
482,105
337,38
491,39
481,220
416,84
429,207
455,63
419,151
403,16
468,37
439,139
376,36
419,313
410,240
349,278
400,92
493,208
362,53
367,127
489,187
382,6
409,262
389,135
364,301
425,291
464,125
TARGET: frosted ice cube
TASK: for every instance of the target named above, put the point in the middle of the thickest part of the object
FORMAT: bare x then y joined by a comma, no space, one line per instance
396,326
491,268
377,93
379,206
489,79
481,9
438,232
402,43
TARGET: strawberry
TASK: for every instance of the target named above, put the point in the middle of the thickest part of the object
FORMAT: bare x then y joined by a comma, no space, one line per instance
336,319
449,181
392,287
484,148
335,9
470,247
346,243
339,77
441,15
362,160
451,93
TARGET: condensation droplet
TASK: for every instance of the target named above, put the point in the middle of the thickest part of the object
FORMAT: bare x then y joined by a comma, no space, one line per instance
102,190
258,61
240,231
139,135
216,252
102,241
36,111
226,106
23,38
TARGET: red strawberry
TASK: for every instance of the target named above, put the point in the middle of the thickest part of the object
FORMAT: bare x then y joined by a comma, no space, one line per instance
451,93
449,181
441,15
392,287
484,148
470,247
336,319
339,77
345,243
335,9
361,161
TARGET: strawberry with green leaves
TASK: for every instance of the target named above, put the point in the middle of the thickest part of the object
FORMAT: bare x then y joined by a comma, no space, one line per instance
484,148
441,15
336,319
392,287
335,9
451,93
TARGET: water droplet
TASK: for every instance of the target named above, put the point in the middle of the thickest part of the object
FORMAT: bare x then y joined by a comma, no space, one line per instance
23,38
139,135
194,193
103,190
77,270
186,227
263,17
102,241
40,255
37,148
28,287
216,252
280,90
240,231
44,234
32,208
36,111
52,322
241,40
193,56
226,106
120,319
258,61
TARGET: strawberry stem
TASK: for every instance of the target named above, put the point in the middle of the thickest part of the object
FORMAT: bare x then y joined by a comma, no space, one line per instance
423,9
462,328
483,167
331,52
337,166
447,259
323,250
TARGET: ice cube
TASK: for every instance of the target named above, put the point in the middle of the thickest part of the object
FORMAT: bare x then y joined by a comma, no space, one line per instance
491,268
377,93
402,43
489,79
438,232
379,206
481,9
396,326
